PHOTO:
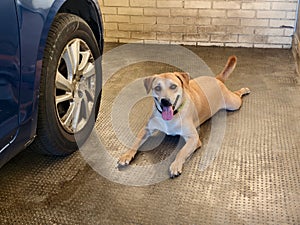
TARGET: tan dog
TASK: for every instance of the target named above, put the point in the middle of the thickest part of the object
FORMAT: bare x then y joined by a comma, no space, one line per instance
181,105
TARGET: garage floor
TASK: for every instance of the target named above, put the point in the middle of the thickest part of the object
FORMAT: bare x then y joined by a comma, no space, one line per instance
250,174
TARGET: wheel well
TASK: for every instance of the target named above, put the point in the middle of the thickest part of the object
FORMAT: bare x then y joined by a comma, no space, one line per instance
87,11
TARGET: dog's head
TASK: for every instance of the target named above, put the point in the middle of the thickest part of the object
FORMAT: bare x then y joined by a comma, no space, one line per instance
167,90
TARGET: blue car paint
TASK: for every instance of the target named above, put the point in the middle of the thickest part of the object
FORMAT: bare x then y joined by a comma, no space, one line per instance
27,25
9,72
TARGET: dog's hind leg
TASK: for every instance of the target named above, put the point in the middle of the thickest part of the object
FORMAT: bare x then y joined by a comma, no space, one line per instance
242,92
233,100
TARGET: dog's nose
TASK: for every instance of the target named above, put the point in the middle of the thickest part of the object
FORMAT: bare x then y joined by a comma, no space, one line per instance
165,102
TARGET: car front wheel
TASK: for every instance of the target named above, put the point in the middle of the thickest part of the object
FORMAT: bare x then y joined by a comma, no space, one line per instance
70,86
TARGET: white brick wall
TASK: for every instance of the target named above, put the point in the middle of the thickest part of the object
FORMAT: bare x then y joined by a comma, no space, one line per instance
234,23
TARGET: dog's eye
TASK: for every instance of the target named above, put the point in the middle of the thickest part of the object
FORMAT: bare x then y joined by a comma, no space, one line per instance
157,88
173,86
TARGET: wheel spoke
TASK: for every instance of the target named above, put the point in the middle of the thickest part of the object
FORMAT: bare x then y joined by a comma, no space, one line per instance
62,83
76,114
90,91
89,70
62,98
68,62
85,102
71,57
68,117
84,60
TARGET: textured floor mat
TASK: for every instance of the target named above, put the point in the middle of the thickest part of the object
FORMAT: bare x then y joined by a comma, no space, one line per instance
253,178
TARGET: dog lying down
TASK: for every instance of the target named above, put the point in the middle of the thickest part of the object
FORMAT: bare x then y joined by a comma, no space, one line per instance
181,105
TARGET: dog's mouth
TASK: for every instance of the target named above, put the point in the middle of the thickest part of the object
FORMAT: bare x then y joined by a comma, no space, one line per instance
167,108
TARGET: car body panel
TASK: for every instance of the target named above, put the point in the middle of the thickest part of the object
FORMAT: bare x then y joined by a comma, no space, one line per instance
9,73
26,28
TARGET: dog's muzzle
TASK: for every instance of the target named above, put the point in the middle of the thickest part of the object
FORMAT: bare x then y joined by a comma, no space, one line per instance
167,111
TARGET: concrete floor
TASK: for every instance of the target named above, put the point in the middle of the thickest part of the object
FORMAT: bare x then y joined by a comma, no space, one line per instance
251,177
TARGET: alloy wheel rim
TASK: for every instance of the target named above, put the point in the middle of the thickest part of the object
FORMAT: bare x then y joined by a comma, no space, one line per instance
75,85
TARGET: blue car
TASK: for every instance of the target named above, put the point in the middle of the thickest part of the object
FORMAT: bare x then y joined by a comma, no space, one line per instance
50,74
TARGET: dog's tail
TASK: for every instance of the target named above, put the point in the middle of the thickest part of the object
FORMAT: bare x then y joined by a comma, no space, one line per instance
230,65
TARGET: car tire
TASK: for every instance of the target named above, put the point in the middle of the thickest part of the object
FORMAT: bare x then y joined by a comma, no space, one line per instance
69,87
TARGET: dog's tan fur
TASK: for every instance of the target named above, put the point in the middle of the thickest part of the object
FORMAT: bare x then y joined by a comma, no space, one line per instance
199,99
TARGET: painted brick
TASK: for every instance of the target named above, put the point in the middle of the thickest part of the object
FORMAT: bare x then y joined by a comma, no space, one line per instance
130,27
118,34
130,11
288,32
269,31
176,37
184,12
130,40
241,13
116,18
256,5
287,46
225,21
116,2
284,5
108,10
191,43
226,5
224,38
268,46
253,38
169,36
197,4
229,23
169,4
143,19
111,26
156,12
156,27
170,20
141,3
281,23
291,15
215,44
279,40
108,39
239,45
143,35
212,29
183,29
255,22
197,21
212,13
196,37
271,14
159,42
240,30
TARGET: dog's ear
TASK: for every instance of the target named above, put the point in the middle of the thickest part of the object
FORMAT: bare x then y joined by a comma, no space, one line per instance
148,81
184,78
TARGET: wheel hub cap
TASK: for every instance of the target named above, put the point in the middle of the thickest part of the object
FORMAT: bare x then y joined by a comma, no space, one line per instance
75,86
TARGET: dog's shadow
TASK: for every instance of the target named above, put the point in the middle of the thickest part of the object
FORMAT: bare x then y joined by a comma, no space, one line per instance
160,146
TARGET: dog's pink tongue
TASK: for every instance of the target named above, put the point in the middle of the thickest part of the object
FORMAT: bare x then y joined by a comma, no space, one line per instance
167,113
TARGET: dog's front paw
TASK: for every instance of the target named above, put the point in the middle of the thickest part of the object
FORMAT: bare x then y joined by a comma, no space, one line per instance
126,158
176,168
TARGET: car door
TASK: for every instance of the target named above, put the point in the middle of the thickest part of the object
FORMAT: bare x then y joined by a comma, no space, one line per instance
9,72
